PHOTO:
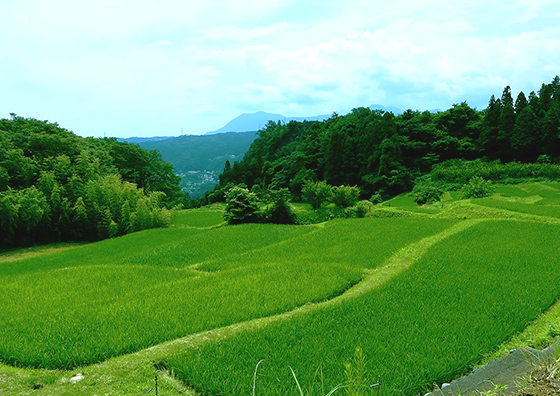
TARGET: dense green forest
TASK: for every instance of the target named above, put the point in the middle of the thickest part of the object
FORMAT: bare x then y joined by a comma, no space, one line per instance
386,154
57,186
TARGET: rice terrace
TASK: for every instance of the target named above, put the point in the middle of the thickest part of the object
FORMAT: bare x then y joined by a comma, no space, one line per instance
413,295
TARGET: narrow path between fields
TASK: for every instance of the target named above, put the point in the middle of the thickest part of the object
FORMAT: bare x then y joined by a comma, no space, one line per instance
125,369
394,266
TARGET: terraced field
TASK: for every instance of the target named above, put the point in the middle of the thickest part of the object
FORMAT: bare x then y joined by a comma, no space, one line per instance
424,292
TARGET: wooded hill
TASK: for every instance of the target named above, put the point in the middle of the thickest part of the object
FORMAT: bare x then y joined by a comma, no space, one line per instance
57,186
198,160
385,154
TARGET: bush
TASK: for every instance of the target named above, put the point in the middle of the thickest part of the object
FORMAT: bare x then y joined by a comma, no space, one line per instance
376,198
361,209
345,196
477,187
241,206
279,210
315,193
426,193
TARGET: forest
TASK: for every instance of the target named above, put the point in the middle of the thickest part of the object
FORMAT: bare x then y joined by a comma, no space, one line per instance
385,155
56,186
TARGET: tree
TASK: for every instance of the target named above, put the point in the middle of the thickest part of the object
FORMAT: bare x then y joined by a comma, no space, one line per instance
241,206
315,193
525,139
105,224
551,130
477,187
125,224
58,186
506,125
520,103
489,139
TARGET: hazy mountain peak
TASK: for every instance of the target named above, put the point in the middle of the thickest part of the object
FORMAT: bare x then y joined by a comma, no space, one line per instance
248,122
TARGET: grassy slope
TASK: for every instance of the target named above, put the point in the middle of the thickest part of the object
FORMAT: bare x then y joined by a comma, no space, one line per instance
427,324
133,374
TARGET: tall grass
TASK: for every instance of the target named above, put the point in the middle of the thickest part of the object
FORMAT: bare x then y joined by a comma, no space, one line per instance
87,304
465,296
203,217
352,243
539,210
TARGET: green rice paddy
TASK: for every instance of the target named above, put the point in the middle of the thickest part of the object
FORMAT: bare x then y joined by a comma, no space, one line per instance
425,296
427,325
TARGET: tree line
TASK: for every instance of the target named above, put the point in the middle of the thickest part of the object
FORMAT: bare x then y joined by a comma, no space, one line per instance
384,155
57,186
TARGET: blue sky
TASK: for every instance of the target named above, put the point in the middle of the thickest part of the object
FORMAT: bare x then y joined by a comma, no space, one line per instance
148,68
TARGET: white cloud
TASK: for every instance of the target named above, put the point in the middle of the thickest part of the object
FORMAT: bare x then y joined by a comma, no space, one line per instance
199,64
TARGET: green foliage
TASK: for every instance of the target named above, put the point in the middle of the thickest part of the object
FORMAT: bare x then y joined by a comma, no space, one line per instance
345,196
382,153
355,372
376,198
456,173
477,187
278,210
362,208
316,193
241,206
427,193
56,186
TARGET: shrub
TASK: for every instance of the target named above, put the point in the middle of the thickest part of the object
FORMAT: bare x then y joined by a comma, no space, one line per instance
345,196
477,187
361,209
426,193
279,210
241,206
376,198
315,193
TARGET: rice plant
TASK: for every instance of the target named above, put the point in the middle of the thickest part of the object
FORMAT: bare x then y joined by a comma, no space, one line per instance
466,295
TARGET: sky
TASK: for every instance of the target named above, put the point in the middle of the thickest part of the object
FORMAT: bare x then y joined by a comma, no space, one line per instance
158,68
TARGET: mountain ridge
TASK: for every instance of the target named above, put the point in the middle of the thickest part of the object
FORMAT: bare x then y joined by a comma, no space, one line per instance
249,122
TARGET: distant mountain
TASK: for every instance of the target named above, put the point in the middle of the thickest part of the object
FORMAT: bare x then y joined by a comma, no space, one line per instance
391,109
199,160
396,110
138,140
255,121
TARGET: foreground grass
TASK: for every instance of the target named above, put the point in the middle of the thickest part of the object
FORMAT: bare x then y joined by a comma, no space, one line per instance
88,304
191,264
467,294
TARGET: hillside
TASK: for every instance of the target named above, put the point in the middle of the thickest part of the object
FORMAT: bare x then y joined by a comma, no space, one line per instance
217,300
56,186
198,160
256,121
385,154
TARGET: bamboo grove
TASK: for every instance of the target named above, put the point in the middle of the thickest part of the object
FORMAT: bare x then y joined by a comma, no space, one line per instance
56,186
